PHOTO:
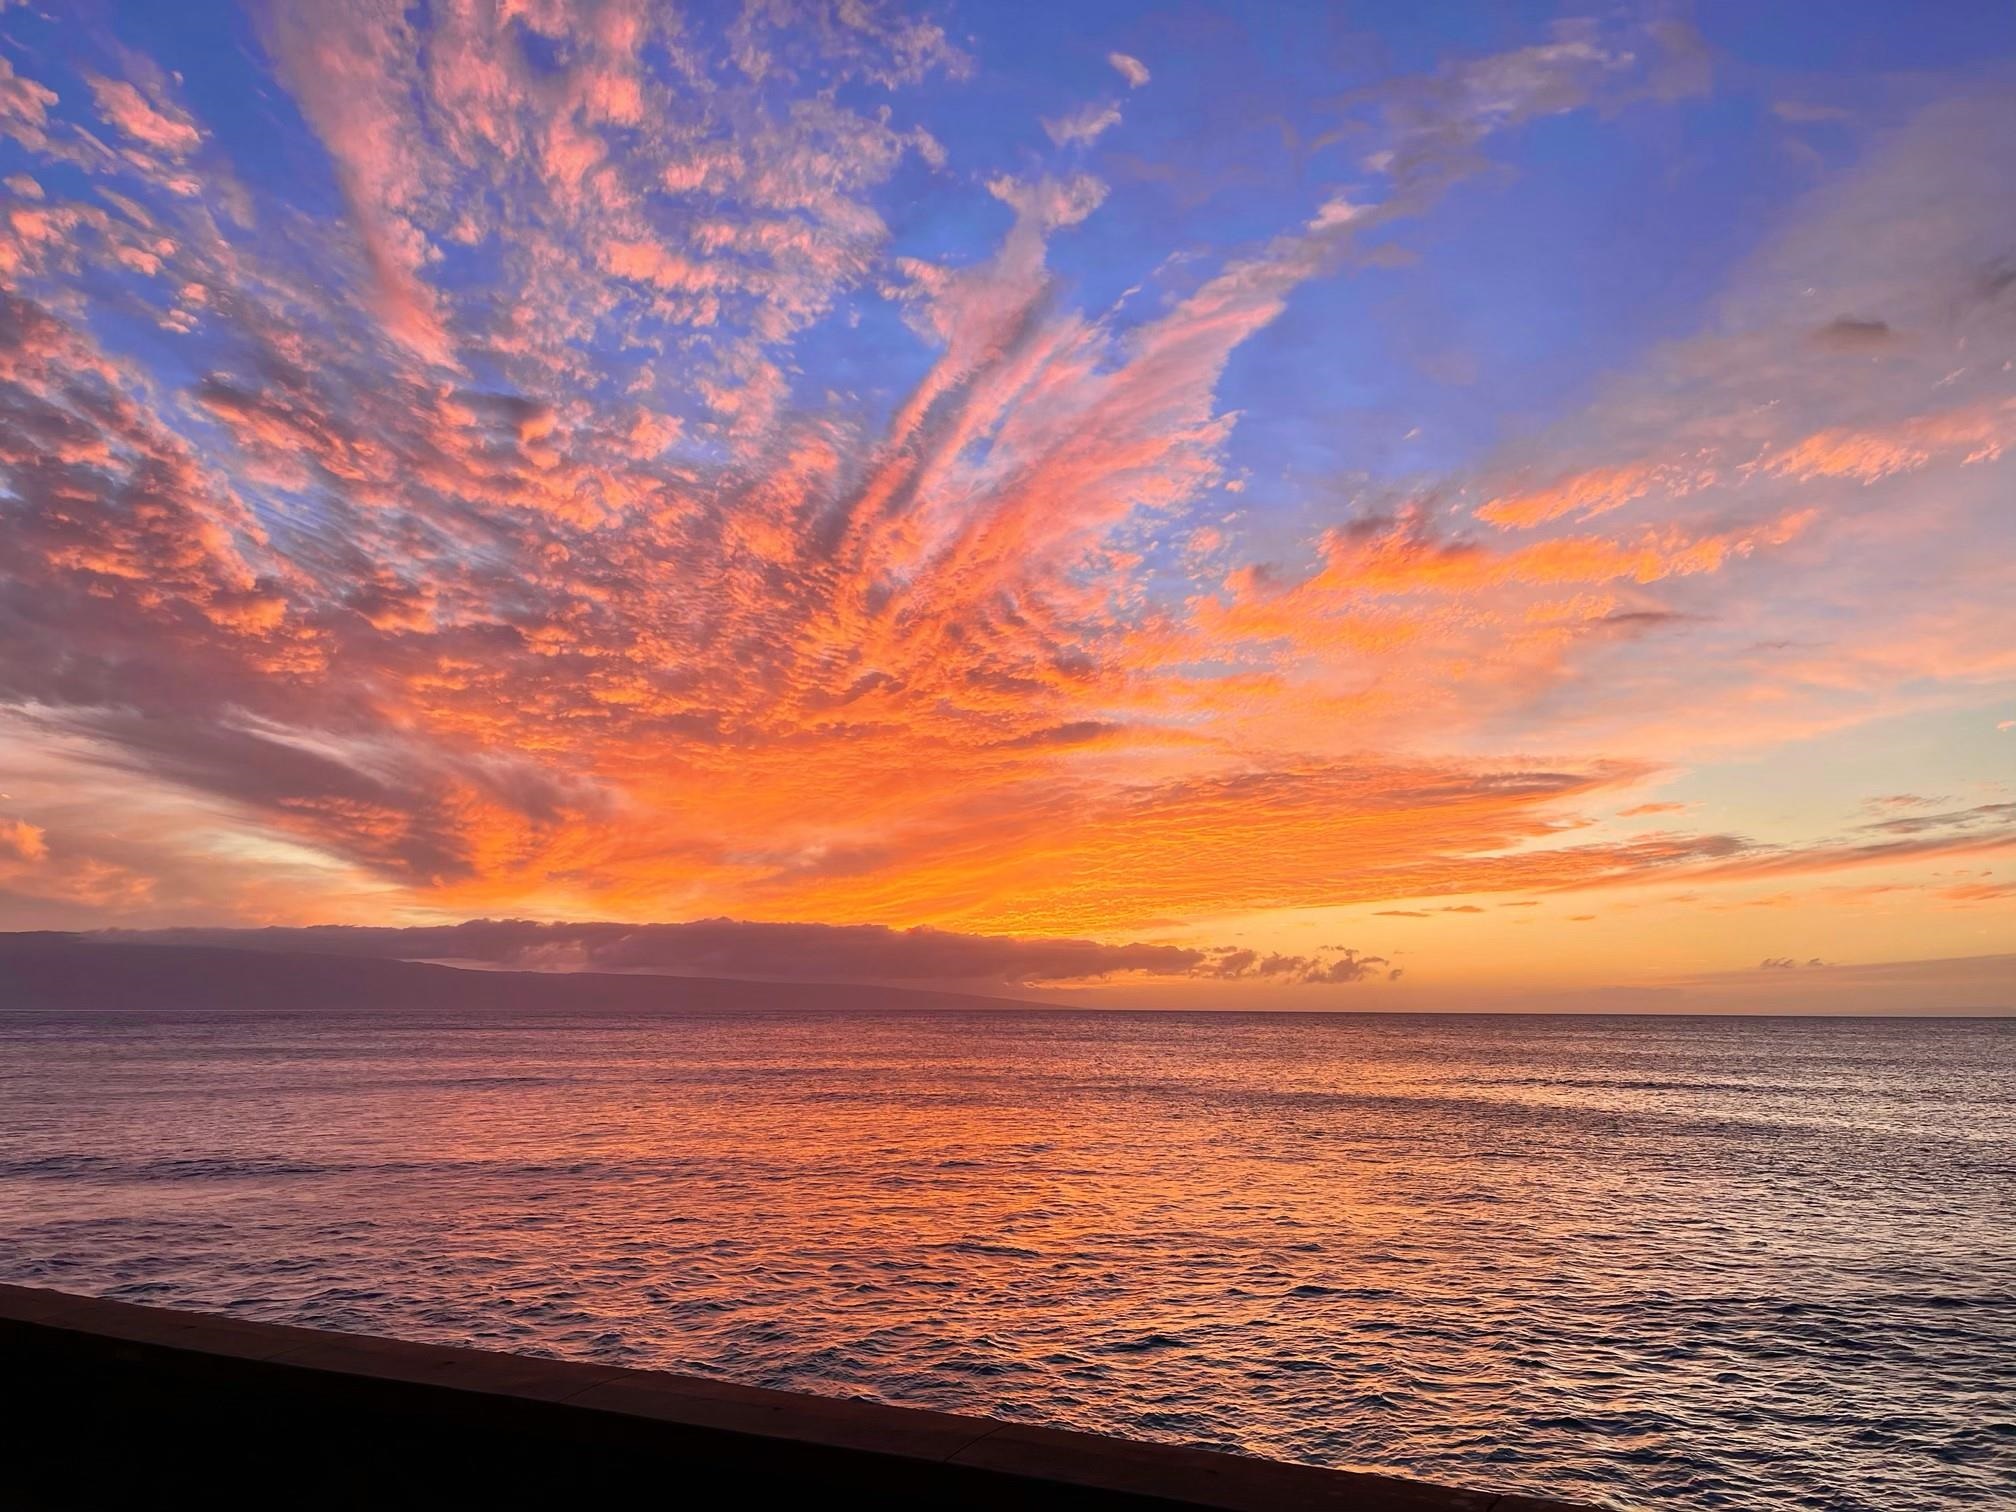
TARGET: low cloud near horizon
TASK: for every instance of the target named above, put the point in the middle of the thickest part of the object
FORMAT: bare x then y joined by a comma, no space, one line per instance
783,952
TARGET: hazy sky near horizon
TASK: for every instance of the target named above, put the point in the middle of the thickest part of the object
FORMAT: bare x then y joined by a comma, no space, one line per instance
1333,505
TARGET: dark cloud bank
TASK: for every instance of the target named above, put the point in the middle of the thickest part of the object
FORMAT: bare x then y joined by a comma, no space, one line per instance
778,952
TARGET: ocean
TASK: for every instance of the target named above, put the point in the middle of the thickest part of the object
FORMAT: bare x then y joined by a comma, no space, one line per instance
1641,1262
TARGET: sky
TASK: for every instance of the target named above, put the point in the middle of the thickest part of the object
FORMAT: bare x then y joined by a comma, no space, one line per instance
1343,506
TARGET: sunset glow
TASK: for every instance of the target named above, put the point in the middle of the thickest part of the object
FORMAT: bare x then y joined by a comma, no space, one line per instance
1219,507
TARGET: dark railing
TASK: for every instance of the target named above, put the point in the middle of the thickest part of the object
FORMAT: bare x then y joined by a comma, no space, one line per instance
121,1405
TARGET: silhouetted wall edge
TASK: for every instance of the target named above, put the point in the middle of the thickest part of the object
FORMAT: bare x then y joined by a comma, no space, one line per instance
117,1404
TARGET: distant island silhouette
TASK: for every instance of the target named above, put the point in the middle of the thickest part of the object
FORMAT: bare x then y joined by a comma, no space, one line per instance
58,972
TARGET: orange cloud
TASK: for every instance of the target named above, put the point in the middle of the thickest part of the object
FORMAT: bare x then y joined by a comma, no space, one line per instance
22,840
1979,892
1973,434
1588,494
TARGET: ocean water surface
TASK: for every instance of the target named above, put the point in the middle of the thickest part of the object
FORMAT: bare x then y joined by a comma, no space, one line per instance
1641,1262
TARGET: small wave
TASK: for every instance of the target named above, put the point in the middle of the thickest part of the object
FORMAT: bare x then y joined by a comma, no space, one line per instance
978,1247
1144,1344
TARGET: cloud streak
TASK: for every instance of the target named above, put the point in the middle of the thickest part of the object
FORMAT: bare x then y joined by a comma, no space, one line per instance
787,952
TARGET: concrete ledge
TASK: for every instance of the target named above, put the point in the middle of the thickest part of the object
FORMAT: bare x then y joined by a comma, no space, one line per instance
117,1403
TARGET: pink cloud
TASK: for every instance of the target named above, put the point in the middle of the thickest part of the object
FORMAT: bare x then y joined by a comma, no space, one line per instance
152,123
1082,127
1133,70
24,107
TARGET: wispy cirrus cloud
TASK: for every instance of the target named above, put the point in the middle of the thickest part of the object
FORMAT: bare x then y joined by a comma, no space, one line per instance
1084,126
